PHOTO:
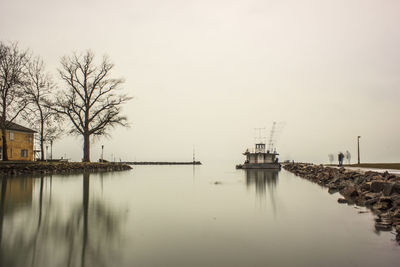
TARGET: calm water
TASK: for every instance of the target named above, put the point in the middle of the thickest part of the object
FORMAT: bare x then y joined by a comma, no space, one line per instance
184,216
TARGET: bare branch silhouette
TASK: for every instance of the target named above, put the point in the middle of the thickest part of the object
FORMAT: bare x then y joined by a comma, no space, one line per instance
39,114
13,70
90,100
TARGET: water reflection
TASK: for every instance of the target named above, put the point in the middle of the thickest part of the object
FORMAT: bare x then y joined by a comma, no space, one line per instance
86,232
83,220
262,179
15,194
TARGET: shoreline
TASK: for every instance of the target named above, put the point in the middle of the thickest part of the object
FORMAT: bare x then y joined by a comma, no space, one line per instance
379,192
13,169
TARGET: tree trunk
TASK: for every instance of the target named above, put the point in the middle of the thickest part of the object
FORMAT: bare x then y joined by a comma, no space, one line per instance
86,147
41,138
4,136
41,150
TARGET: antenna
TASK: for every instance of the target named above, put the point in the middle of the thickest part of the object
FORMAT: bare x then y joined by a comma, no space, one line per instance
260,137
194,158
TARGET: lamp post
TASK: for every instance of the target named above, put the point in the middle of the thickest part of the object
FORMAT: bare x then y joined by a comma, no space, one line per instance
51,149
358,147
47,153
102,150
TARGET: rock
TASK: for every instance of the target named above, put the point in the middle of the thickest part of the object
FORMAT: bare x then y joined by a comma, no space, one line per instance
396,187
333,190
395,221
369,173
395,200
387,200
376,176
383,227
342,200
370,195
371,201
381,206
359,179
377,186
49,168
388,189
396,214
366,186
350,192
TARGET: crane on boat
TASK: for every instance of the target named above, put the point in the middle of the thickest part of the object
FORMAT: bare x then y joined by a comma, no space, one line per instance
276,129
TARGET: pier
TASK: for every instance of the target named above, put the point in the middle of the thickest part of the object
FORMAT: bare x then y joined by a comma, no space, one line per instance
163,163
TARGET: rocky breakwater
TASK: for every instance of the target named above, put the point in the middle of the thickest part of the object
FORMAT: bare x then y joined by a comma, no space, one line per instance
379,192
15,169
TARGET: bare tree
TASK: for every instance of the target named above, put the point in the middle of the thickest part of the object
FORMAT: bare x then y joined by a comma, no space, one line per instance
13,63
90,99
39,114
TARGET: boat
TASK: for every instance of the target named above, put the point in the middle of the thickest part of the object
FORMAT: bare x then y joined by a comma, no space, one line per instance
260,158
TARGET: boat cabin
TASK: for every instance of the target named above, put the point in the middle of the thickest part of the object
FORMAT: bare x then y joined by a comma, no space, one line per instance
261,158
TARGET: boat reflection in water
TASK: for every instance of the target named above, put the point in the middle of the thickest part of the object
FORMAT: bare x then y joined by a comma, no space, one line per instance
263,180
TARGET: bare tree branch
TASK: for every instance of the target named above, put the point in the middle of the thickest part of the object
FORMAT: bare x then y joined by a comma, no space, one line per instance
39,90
89,99
13,71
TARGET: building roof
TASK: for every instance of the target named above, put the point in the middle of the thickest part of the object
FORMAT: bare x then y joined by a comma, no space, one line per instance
16,127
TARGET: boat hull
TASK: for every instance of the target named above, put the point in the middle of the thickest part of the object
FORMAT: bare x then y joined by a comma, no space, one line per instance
259,166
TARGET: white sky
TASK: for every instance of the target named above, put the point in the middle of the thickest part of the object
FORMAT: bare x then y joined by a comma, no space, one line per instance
208,72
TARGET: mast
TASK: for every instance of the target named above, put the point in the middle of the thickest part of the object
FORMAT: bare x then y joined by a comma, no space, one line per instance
260,138
271,137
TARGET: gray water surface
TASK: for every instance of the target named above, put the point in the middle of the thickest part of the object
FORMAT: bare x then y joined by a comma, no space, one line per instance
184,216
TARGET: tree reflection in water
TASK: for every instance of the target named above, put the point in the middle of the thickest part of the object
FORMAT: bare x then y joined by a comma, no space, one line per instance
51,234
263,179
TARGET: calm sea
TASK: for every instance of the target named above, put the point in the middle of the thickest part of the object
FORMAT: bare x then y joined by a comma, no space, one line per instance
209,215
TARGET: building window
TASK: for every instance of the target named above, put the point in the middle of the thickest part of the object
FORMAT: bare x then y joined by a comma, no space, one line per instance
11,135
30,139
24,153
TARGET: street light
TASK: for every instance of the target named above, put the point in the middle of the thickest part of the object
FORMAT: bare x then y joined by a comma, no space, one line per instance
51,149
358,146
102,150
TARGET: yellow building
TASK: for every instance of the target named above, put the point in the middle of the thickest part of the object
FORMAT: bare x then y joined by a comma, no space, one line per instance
19,142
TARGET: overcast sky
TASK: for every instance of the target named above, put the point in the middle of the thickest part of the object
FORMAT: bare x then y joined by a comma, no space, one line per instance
206,73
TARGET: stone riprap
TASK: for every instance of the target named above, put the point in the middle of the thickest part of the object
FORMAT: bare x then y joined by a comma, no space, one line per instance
379,192
15,169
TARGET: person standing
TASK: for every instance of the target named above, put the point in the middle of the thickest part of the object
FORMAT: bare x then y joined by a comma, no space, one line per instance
340,159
